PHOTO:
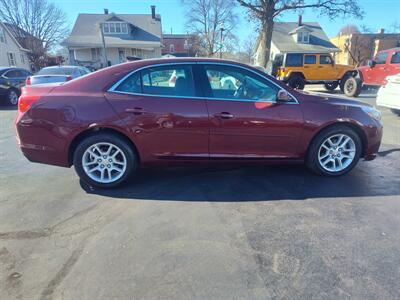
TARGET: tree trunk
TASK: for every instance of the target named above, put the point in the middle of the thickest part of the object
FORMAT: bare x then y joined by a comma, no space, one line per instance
265,41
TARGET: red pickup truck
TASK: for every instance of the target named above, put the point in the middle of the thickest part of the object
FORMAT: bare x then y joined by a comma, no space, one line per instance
385,63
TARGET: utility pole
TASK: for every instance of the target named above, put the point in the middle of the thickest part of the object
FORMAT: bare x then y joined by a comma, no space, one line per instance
221,42
104,44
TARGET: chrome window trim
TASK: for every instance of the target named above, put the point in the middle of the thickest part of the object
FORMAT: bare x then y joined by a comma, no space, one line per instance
112,89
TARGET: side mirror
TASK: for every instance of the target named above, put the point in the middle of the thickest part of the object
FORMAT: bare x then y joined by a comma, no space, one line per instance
283,96
371,63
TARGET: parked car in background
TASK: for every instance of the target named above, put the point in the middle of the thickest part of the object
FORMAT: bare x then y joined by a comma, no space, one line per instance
385,63
299,69
11,81
389,94
57,74
109,122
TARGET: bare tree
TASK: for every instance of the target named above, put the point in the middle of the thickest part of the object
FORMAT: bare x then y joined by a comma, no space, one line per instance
206,18
248,48
38,25
266,11
349,29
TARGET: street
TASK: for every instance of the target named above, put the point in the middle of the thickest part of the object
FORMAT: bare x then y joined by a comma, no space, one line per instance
253,232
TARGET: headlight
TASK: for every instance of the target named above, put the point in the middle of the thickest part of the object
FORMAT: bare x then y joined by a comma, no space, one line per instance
372,112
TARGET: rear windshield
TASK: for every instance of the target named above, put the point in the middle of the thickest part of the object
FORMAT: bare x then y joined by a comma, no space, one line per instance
56,71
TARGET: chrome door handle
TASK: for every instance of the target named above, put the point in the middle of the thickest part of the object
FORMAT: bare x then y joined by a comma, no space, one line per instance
135,111
225,115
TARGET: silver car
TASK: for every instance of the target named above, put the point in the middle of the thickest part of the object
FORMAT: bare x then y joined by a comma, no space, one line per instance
57,74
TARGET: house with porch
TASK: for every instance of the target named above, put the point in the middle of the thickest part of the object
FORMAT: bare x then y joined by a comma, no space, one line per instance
296,37
98,40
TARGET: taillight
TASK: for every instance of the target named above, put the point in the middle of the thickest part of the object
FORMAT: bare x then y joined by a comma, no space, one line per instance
69,77
26,101
283,70
28,81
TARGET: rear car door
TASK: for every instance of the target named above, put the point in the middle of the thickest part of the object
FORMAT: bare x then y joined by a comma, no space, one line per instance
164,117
311,71
246,120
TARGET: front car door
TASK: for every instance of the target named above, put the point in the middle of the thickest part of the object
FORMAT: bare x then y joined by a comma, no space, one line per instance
163,116
246,120
377,73
327,70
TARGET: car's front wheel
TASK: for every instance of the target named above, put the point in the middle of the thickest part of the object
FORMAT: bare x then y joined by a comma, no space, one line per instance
104,160
335,151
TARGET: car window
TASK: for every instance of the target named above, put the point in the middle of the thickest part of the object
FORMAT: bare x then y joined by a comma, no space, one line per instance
294,60
13,74
131,85
380,58
25,73
310,59
395,58
325,60
232,83
56,71
168,81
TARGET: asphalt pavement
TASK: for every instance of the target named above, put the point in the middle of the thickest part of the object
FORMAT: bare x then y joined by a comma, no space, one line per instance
257,232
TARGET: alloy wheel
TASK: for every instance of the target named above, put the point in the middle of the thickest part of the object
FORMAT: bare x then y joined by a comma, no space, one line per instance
337,153
104,162
13,97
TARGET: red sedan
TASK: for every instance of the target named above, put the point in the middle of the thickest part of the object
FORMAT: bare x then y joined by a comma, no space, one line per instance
109,122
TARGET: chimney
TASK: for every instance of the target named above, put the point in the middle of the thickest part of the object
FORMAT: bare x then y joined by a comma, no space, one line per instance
382,31
153,11
300,20
106,11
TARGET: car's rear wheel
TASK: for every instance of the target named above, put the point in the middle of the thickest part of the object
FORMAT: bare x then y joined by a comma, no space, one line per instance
330,86
12,97
296,82
104,160
352,86
335,151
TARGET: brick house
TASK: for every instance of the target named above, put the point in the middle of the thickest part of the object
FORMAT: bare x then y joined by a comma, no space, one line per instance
357,48
179,45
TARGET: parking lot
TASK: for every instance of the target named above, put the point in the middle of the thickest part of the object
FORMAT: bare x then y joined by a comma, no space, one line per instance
255,232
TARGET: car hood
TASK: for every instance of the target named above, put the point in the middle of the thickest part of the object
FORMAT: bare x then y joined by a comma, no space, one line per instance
332,100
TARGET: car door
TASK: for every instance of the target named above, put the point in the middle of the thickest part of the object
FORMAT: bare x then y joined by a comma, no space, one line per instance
167,119
326,69
246,120
310,67
394,64
378,72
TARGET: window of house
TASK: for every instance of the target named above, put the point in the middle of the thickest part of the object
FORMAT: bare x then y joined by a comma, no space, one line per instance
232,83
303,37
325,60
172,48
106,28
11,59
381,58
95,53
2,35
310,59
115,27
395,58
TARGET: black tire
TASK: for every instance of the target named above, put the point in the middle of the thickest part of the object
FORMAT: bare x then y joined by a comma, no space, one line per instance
352,86
129,153
396,111
312,160
330,86
296,82
12,97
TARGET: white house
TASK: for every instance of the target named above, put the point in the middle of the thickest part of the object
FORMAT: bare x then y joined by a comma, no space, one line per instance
11,52
122,35
296,37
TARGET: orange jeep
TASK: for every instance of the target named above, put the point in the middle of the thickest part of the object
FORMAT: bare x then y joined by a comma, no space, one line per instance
298,69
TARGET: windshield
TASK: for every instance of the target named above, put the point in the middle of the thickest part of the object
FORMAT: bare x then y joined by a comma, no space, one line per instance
56,71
